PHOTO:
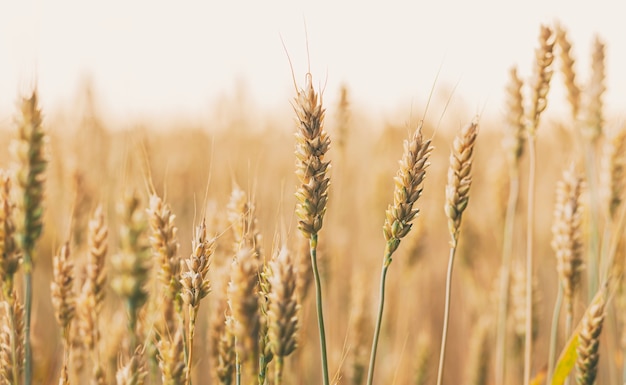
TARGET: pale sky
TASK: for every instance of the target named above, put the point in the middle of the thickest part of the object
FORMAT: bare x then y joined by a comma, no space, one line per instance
179,57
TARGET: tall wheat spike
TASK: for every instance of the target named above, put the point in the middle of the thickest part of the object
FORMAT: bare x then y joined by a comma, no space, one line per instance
30,154
312,144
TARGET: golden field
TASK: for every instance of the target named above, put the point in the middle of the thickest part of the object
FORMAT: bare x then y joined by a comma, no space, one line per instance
128,287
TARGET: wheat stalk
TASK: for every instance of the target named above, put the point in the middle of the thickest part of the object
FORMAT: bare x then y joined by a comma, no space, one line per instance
312,143
400,215
457,198
29,152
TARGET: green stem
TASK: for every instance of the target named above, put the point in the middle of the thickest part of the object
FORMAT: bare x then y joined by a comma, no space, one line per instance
320,314
28,299
507,248
528,338
446,314
554,332
379,318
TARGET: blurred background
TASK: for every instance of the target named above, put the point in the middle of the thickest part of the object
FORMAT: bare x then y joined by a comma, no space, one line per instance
168,59
197,93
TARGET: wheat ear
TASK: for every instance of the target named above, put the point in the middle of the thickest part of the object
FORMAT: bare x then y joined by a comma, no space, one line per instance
63,297
589,341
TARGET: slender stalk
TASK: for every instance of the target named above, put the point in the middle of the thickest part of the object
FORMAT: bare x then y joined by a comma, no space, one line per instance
27,265
320,313
507,249
528,338
554,332
379,320
446,315
193,313
568,330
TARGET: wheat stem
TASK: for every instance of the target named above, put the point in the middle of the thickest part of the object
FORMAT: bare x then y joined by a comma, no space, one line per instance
446,315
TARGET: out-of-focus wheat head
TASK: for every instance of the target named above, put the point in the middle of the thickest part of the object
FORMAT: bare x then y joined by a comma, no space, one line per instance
514,135
9,251
29,152
133,372
312,143
282,313
589,341
11,341
542,74
171,357
460,177
595,91
244,305
63,297
131,265
165,245
408,189
567,69
567,237
613,172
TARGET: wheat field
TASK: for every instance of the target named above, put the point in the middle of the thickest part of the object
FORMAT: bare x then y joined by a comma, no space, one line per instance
261,252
